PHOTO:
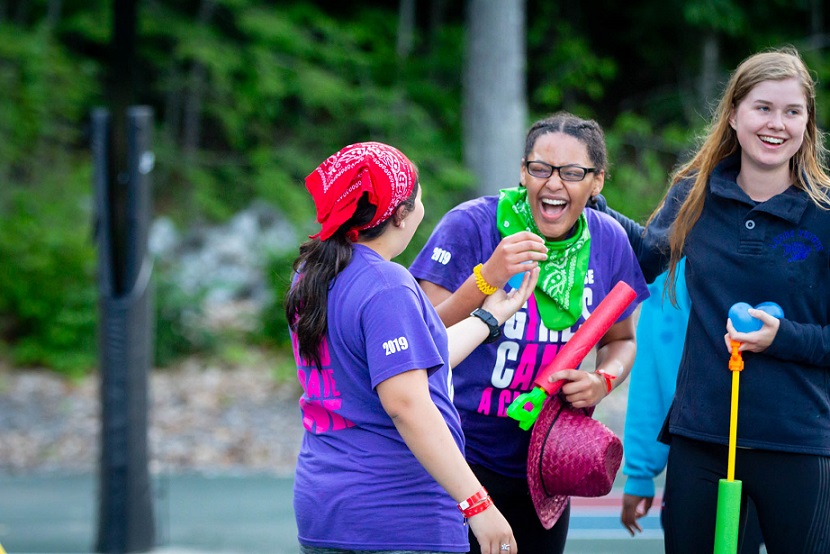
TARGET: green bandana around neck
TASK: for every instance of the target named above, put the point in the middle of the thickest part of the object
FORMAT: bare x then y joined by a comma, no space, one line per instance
562,277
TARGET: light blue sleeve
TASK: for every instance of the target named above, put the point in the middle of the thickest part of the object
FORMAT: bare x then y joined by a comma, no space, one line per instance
661,331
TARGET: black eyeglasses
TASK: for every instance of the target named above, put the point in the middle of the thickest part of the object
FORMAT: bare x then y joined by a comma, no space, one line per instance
570,172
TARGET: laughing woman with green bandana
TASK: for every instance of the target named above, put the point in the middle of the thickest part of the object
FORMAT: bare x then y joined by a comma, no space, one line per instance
477,248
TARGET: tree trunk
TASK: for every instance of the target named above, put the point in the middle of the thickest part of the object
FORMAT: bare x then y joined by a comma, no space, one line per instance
53,13
437,18
709,70
196,89
406,28
494,93
817,40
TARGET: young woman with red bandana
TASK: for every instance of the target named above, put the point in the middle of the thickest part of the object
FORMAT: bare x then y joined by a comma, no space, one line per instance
381,467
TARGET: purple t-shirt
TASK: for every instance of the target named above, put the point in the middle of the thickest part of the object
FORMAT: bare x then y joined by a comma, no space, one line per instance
488,381
357,485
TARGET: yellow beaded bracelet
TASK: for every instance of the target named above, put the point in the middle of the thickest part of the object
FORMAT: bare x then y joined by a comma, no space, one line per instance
481,283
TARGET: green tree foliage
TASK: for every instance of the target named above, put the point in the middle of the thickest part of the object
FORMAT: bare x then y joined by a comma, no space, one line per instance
278,91
47,298
250,95
47,294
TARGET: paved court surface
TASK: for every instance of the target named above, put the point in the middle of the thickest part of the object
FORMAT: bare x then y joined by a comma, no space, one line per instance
232,514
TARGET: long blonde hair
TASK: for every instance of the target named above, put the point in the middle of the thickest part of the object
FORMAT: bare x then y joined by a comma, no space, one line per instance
808,165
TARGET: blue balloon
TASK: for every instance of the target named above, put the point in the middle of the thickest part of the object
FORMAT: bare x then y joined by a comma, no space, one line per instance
516,280
772,309
745,323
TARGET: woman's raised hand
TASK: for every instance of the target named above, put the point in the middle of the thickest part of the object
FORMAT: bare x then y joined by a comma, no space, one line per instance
514,254
504,304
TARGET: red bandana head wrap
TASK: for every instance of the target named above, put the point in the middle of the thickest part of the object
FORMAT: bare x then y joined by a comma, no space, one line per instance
339,182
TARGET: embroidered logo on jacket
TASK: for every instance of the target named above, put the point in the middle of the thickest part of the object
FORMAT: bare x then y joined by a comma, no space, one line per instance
797,245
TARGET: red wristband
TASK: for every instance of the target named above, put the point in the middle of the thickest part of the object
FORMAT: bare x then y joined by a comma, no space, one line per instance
473,500
478,508
608,378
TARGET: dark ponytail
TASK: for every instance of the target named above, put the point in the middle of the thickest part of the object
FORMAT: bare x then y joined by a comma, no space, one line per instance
318,264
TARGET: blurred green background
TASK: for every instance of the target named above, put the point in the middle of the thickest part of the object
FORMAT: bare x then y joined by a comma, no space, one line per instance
249,96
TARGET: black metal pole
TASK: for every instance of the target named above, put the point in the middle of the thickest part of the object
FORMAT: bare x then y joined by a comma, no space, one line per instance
121,92
121,146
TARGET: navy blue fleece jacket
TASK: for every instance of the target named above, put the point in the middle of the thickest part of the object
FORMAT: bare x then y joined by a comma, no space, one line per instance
745,251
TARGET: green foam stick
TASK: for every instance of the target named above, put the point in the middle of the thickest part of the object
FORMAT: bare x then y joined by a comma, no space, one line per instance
728,518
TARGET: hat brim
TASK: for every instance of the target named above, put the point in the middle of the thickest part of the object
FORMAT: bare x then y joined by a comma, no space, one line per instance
548,508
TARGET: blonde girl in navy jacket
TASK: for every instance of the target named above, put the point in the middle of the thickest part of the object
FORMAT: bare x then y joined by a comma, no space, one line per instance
751,214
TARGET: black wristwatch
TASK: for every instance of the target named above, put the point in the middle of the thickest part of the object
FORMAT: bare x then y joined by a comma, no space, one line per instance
492,324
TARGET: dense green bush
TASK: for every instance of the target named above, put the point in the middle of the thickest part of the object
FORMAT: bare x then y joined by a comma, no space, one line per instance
47,278
47,258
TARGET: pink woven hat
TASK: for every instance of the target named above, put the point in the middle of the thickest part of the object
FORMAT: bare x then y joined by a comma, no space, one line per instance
570,454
